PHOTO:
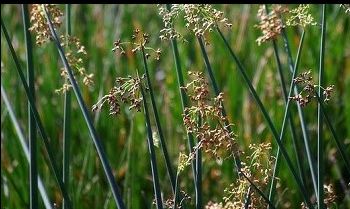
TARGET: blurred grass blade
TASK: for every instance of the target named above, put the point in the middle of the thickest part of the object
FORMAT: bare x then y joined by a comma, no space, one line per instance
33,182
156,187
66,118
96,140
267,118
320,146
52,163
159,127
24,146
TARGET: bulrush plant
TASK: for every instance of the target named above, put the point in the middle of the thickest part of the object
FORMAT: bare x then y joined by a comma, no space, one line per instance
272,169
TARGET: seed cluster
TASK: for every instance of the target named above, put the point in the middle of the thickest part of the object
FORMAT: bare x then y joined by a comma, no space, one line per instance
76,54
74,51
258,170
199,19
39,23
205,119
139,41
270,24
127,90
309,90
301,16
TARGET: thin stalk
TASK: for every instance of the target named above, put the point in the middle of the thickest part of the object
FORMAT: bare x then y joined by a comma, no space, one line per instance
266,199
301,114
40,126
267,118
176,194
183,96
33,176
159,127
247,198
338,142
296,145
199,173
24,145
320,146
66,118
217,92
156,187
99,148
276,167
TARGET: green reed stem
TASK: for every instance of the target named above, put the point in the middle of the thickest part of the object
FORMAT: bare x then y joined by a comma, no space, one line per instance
184,101
301,114
49,151
338,142
217,92
176,194
267,118
33,182
320,146
159,127
286,115
156,187
199,193
24,146
99,148
296,145
67,117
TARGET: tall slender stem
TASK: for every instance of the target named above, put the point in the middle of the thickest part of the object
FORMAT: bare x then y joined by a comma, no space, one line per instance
52,163
25,149
301,114
217,92
100,150
67,117
156,187
159,127
267,118
183,96
320,146
31,120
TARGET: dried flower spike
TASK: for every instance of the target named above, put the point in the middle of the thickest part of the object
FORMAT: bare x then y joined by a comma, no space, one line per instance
214,136
301,16
39,23
127,90
199,19
139,42
309,89
76,54
270,24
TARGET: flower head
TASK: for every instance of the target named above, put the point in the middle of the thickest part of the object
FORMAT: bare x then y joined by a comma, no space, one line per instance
270,24
39,23
301,16
199,19
127,90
